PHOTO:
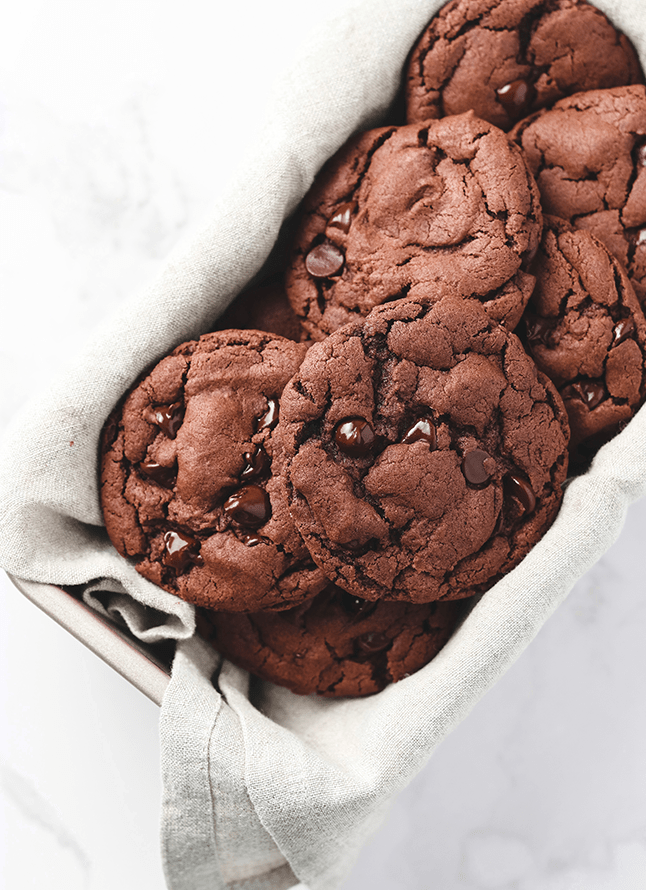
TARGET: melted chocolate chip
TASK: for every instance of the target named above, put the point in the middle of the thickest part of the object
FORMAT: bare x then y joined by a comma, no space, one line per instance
354,436
342,217
516,98
249,506
181,550
474,469
270,418
590,392
251,540
520,490
371,644
167,417
164,476
623,329
324,260
422,430
540,330
256,464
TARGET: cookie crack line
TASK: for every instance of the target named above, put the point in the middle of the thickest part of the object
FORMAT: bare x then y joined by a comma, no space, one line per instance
378,143
322,285
463,30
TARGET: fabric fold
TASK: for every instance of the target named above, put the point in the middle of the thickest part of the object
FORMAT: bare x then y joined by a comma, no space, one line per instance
211,836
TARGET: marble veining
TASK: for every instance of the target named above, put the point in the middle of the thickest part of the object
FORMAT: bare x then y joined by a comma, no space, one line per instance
40,813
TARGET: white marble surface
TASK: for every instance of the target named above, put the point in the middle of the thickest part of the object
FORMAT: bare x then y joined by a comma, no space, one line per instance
118,123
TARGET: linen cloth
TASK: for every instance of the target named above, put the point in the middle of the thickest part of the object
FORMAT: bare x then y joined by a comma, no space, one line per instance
263,788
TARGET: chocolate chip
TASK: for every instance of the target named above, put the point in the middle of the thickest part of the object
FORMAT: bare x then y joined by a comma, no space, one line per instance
371,644
354,436
516,98
181,551
324,260
270,418
623,330
167,417
249,506
540,330
164,476
422,430
256,464
590,392
474,469
251,540
521,491
342,217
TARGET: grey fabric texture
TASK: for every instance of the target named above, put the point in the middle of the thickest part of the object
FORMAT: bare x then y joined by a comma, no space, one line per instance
263,788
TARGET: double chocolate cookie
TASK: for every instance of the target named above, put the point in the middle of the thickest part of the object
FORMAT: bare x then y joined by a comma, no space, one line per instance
335,644
588,155
187,475
586,331
421,211
424,452
507,58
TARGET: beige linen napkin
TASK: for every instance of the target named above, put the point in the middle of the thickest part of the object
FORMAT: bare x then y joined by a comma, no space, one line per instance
262,787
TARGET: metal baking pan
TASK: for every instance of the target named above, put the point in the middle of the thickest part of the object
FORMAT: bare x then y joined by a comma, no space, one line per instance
147,667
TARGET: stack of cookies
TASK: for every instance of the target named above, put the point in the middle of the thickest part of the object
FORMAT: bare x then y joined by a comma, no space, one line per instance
384,430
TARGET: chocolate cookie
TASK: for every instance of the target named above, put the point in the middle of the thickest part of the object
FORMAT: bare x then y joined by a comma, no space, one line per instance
187,484
425,452
588,154
263,308
507,58
335,644
424,211
586,331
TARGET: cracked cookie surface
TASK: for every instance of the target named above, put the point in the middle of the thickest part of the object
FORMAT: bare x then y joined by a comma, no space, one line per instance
424,452
588,154
507,58
187,475
334,644
585,329
421,211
